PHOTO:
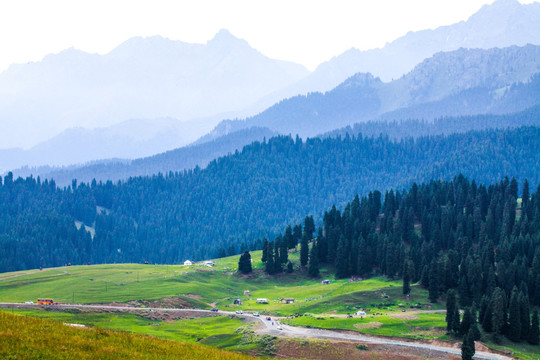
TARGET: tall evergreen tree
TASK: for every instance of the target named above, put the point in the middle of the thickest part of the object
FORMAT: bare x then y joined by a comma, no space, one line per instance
309,226
264,250
498,308
514,317
466,322
270,266
525,313
244,263
467,347
452,313
313,268
342,263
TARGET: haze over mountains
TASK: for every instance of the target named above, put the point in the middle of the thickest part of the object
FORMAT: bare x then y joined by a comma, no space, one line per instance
462,82
137,100
143,78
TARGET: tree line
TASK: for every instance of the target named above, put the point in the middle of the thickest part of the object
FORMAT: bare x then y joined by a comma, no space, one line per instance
225,208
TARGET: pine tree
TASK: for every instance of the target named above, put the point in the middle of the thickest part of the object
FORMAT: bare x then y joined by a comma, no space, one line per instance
265,250
433,282
498,308
534,332
466,322
244,264
467,347
342,265
451,311
304,250
514,317
525,313
309,227
313,268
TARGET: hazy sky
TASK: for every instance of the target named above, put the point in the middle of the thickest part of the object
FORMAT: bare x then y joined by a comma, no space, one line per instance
305,31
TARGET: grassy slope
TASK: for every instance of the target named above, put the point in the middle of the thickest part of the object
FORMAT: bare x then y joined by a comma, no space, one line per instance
202,287
24,337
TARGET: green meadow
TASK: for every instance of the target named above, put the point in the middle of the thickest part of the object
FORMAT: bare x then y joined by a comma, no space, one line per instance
202,287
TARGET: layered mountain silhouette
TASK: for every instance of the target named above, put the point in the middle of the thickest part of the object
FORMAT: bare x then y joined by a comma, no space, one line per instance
462,82
143,78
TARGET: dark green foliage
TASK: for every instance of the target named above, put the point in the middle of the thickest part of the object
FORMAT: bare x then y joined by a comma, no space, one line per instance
452,312
525,314
466,322
534,332
201,213
498,308
313,268
467,347
264,257
270,264
290,267
244,263
514,317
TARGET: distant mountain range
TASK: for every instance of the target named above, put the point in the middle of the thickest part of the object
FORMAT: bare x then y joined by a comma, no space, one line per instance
151,95
143,78
462,82
501,24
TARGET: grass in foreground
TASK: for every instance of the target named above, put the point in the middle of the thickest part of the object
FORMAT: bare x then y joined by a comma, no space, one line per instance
23,337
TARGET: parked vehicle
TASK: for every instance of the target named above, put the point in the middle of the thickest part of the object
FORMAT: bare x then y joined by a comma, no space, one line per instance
239,312
214,310
29,302
256,314
46,301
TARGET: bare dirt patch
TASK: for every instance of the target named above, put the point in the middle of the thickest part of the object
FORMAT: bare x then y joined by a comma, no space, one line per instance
337,350
368,325
404,316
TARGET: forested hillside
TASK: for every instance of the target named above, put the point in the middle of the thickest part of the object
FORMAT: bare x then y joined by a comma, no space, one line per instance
238,198
475,238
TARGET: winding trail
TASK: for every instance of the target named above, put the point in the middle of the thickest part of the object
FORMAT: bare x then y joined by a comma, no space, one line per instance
273,327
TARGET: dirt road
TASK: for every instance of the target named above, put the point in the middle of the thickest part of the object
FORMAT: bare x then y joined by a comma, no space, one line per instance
273,327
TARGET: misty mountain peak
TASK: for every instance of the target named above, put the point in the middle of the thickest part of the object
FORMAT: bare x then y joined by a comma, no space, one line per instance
225,39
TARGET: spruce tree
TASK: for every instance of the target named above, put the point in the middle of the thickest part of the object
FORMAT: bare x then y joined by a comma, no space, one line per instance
498,308
467,347
342,264
270,268
451,307
514,317
466,322
525,316
264,250
304,250
313,268
244,264
534,331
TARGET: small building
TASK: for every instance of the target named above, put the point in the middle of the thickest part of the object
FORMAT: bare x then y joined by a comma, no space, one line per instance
209,263
262,301
247,293
325,282
237,301
361,313
287,301
188,263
